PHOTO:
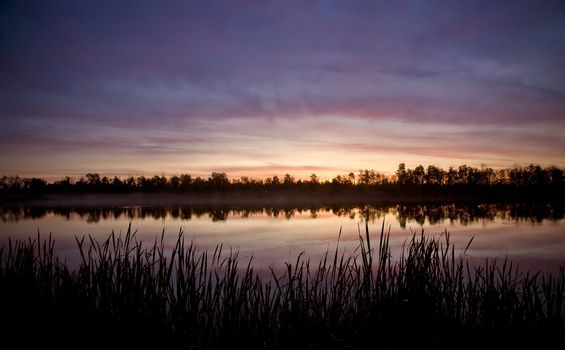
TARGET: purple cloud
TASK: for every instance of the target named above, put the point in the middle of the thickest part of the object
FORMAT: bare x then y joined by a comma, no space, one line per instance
148,77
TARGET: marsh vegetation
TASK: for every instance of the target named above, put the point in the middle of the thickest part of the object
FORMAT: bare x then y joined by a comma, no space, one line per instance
138,295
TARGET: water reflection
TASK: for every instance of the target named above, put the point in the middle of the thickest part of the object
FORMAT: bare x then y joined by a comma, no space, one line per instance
433,214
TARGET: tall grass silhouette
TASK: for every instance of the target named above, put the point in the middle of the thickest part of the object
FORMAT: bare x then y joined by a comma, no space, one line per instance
139,295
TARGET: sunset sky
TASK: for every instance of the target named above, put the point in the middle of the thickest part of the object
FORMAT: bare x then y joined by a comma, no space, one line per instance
263,88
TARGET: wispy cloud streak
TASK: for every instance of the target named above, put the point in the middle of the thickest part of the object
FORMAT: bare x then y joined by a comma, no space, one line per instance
330,85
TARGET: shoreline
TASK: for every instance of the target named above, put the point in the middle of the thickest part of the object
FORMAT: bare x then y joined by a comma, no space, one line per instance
254,199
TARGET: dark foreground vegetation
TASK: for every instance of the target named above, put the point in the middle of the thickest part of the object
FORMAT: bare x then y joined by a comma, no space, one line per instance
531,180
131,295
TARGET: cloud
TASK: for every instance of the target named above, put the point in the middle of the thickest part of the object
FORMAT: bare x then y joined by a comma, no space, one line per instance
186,78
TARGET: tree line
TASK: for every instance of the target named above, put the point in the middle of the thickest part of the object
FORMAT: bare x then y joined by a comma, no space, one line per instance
419,178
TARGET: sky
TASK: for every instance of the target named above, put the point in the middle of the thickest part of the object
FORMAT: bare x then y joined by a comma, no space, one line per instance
263,88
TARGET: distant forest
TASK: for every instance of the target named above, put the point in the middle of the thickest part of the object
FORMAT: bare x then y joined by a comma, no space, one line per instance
432,178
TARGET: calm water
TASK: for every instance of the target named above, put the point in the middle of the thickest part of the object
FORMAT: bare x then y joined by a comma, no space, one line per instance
532,235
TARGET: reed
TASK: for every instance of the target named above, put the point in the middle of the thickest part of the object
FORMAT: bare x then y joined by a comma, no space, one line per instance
139,295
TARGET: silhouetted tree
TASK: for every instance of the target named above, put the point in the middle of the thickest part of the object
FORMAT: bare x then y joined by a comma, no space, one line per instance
198,184
452,177
419,175
116,182
434,176
35,185
288,180
314,179
93,179
65,185
185,182
275,181
219,181
401,176
174,183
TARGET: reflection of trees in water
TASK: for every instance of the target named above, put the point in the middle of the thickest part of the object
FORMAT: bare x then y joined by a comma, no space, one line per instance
462,214
218,214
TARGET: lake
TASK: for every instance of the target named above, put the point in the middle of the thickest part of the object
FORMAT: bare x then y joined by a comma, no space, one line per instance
532,235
